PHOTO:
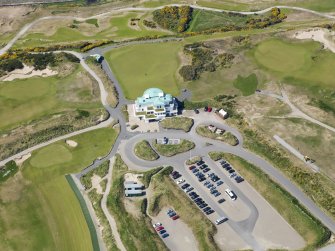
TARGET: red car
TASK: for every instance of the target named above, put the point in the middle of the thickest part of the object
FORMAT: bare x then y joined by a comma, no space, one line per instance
175,217
159,228
191,167
209,109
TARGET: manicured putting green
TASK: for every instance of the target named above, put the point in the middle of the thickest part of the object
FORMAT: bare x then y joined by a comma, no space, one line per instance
299,63
139,67
51,155
283,57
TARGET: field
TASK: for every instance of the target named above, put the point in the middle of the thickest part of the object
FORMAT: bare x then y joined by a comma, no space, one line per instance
244,5
151,65
116,28
177,123
25,100
204,20
39,210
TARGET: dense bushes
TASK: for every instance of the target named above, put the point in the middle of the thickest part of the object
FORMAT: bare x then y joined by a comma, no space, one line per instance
203,59
16,60
173,18
150,24
10,64
275,17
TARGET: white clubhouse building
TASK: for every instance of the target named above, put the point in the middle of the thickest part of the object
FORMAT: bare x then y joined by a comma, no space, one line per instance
155,105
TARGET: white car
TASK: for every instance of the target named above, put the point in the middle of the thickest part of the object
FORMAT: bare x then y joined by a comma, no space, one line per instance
158,224
180,181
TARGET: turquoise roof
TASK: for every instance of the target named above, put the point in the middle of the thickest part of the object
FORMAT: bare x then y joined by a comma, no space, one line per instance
154,97
153,92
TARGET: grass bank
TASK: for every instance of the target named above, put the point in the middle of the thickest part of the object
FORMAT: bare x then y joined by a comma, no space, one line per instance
144,151
177,123
313,232
136,233
171,150
226,137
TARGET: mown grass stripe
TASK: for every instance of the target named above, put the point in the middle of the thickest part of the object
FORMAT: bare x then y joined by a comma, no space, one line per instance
89,221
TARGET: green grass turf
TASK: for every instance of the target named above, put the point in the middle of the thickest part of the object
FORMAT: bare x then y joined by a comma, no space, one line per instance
247,85
23,100
204,20
139,67
118,29
43,212
297,63
324,5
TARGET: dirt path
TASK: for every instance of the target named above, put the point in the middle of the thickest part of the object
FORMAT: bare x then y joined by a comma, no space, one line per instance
109,217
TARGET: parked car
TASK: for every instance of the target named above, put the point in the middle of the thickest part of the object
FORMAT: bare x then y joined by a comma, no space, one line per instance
209,212
195,170
222,162
221,220
180,181
206,108
196,111
189,189
209,109
185,186
192,167
219,183
232,175
162,231
206,209
207,182
206,170
217,194
202,179
165,235
221,200
199,163
231,171
176,216
159,228
158,224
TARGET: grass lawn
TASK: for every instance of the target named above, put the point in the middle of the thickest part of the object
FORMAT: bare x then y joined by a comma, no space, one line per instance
151,65
297,63
309,228
171,150
39,210
24,100
178,123
247,85
144,151
204,20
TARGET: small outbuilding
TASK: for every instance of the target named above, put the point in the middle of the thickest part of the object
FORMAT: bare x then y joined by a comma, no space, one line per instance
132,188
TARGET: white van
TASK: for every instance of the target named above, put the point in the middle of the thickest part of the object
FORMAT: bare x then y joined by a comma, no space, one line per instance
221,220
231,194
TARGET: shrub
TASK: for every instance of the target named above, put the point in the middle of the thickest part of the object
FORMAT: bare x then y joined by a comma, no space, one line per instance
173,18
10,64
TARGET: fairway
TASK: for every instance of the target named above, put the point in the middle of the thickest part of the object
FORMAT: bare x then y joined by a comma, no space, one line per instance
23,100
298,63
44,213
139,67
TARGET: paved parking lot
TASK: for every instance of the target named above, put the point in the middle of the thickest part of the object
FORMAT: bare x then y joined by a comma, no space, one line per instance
250,214
181,236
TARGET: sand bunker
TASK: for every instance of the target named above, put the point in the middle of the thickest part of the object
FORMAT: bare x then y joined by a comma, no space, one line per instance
324,36
19,161
28,72
71,143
